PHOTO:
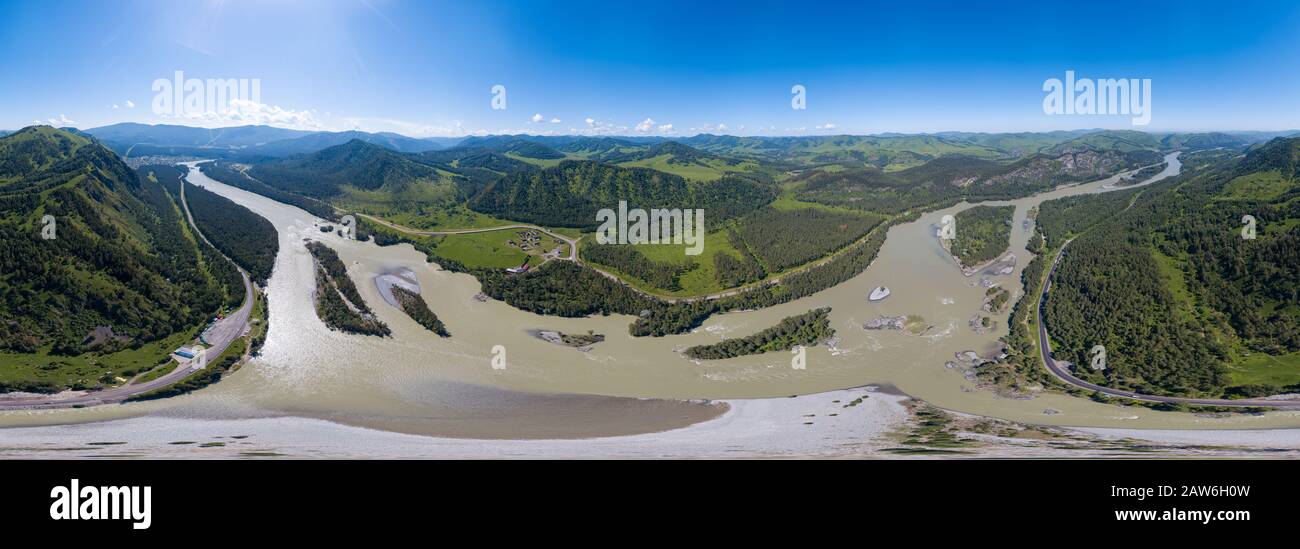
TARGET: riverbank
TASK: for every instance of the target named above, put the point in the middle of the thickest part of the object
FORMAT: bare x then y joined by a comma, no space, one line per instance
416,383
847,424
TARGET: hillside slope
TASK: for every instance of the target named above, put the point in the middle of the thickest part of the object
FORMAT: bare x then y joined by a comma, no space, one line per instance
570,194
1182,301
122,270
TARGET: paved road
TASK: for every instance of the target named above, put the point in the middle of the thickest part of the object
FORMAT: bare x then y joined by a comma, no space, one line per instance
219,336
573,243
1059,371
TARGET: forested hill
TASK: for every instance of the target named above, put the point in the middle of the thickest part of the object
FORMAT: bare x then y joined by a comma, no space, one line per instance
1182,300
120,258
950,179
570,194
245,237
356,164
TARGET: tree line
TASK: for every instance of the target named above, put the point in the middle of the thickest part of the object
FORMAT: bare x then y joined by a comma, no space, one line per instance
806,329
243,236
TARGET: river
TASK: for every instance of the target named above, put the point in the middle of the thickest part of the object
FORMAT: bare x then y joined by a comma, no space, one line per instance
415,382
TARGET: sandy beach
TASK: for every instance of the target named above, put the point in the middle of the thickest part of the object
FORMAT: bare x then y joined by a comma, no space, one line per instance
827,424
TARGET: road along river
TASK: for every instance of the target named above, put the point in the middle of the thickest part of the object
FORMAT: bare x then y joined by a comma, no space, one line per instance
219,336
416,382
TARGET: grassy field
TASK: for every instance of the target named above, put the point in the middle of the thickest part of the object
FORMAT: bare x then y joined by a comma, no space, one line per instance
695,171
424,215
93,370
1247,369
540,162
90,369
707,169
492,249
1258,186
1262,369
1171,272
699,280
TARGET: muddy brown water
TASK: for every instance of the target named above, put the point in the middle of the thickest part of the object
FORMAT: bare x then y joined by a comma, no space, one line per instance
416,382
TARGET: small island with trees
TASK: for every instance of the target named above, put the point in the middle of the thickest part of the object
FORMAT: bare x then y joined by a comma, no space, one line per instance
338,303
983,233
809,328
415,307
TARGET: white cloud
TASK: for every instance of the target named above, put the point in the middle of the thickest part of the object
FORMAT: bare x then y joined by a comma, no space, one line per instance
403,127
555,120
645,125
826,126
596,127
538,118
666,128
114,105
130,104
62,121
243,112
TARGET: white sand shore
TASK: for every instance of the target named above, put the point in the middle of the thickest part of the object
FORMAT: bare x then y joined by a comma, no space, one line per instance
822,424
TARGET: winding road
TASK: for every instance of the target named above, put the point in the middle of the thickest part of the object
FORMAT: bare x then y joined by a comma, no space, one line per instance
573,256
219,336
572,242
1045,348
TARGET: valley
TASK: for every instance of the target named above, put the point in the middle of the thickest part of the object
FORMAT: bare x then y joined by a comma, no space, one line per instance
776,273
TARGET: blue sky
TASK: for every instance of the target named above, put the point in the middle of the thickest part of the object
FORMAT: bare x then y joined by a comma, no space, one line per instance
426,68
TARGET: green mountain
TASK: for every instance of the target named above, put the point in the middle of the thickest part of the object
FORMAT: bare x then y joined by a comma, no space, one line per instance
337,170
596,147
130,133
418,190
1183,301
1019,143
319,141
121,270
1198,141
691,163
243,142
570,194
518,145
952,178
1110,140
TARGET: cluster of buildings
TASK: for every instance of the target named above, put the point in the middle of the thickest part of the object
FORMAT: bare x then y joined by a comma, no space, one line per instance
528,240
